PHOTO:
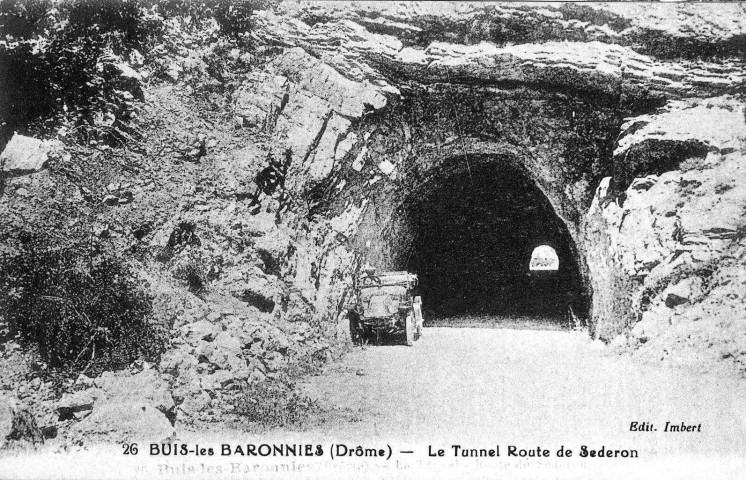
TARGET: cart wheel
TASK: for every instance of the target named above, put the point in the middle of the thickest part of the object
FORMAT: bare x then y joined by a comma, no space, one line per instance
409,330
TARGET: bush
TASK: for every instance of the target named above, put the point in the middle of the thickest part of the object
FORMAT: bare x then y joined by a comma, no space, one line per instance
232,16
61,64
193,274
60,60
118,22
25,88
274,404
83,310
24,19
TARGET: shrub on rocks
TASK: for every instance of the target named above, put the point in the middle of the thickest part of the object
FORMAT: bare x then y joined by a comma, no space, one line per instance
232,16
193,274
66,62
273,404
83,309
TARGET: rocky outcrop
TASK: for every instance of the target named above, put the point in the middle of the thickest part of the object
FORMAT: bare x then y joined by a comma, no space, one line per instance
630,143
667,250
629,129
501,44
255,325
259,102
314,117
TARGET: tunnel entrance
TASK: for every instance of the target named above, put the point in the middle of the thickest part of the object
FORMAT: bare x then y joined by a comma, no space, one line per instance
474,233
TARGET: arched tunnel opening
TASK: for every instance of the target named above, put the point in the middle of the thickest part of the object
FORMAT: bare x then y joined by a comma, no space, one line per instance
473,232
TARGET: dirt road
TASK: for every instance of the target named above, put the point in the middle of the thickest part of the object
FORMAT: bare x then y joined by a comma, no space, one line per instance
480,388
485,386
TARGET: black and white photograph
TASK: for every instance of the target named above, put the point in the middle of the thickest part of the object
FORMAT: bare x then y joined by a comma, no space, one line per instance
286,239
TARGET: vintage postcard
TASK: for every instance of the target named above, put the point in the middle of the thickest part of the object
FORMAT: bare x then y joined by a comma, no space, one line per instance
265,239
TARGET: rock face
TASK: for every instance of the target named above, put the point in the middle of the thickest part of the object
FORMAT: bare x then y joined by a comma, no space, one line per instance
259,102
624,127
673,241
24,155
630,147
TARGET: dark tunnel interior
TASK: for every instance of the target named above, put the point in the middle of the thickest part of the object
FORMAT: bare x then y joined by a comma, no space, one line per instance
475,234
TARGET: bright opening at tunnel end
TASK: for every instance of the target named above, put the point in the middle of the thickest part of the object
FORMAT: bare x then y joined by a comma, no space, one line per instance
544,258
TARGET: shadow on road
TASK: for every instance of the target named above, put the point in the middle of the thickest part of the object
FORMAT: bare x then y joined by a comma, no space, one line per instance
517,322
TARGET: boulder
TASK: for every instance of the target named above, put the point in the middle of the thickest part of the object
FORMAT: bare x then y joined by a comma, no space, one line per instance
194,404
255,288
653,323
386,167
200,330
247,330
17,424
177,361
688,290
7,412
237,173
227,342
125,421
259,224
260,100
274,361
147,386
272,248
24,155
223,354
25,429
127,407
299,309
22,192
76,402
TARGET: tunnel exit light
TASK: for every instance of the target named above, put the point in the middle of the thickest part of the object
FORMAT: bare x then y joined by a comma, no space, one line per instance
544,258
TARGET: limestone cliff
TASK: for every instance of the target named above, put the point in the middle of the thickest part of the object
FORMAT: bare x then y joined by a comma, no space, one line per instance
629,120
614,133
